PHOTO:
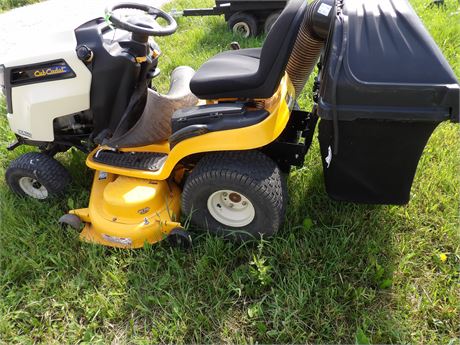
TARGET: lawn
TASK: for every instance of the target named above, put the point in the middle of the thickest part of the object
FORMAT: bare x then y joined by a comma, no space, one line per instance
9,4
335,273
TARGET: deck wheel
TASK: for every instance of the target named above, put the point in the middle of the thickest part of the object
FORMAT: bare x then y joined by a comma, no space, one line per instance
71,220
180,238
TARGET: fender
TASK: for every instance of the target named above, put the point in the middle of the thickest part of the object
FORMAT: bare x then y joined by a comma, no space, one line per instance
246,138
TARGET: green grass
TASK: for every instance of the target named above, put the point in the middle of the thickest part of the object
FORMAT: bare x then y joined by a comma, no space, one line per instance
9,4
336,272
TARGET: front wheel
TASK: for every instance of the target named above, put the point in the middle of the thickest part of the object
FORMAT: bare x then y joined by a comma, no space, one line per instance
37,175
241,194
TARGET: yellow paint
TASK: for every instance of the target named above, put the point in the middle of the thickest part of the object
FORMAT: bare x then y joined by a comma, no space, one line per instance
136,210
245,138
155,53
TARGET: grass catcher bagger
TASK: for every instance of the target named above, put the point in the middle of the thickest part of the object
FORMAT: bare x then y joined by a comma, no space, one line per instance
218,145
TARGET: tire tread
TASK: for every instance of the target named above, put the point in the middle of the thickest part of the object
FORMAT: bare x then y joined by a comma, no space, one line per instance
44,168
252,169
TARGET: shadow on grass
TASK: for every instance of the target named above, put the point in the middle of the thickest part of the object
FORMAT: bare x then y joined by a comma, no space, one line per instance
311,283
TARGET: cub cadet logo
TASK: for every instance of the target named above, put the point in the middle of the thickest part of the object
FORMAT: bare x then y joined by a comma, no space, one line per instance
50,71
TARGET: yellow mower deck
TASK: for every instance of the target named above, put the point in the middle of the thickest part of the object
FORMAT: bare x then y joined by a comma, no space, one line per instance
127,212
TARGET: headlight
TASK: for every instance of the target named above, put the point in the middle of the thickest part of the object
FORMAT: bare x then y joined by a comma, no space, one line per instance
2,79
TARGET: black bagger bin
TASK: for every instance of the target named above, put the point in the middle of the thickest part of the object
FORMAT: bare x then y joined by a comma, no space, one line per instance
384,87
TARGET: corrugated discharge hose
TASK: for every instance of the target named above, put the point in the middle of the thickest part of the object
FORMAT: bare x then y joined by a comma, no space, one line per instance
309,42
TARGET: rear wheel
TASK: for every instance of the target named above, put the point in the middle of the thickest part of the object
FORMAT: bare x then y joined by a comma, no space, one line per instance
241,194
37,175
271,19
243,24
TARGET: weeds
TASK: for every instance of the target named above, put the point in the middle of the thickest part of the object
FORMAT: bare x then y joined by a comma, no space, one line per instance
336,272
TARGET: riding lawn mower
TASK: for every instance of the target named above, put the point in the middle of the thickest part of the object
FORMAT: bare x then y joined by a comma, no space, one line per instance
218,147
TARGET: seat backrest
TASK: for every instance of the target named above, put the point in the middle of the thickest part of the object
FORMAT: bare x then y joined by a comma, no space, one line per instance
278,46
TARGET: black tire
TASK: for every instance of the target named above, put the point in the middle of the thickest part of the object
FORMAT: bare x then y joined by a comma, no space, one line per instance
244,24
39,170
71,220
252,174
271,19
180,238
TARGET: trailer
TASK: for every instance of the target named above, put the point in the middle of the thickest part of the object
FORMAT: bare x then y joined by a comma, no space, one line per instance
247,18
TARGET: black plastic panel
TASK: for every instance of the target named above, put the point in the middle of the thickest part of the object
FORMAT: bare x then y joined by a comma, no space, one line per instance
376,162
194,121
132,160
384,88
115,75
204,114
391,69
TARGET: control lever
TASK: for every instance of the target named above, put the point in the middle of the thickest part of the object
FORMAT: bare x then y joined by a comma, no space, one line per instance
153,73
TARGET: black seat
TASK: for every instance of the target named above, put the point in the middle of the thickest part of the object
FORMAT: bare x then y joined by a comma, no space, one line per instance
255,72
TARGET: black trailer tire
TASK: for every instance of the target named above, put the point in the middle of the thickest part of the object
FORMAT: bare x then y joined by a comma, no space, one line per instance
37,175
240,194
271,19
244,24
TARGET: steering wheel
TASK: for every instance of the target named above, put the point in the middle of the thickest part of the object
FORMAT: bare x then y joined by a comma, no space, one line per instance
145,25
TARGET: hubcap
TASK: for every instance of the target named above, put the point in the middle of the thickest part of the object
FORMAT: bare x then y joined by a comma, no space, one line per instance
33,188
231,208
242,29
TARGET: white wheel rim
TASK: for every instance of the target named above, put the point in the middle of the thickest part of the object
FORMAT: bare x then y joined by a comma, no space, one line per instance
242,28
33,188
231,208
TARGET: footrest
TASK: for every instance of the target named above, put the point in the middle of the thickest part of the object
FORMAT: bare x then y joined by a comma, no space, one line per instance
150,161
